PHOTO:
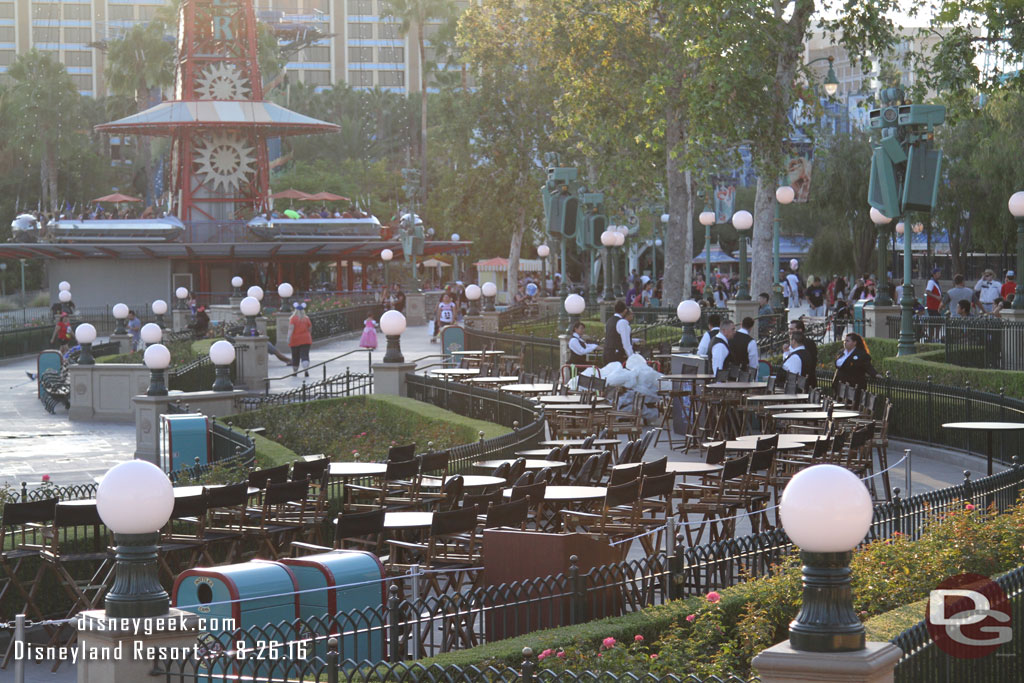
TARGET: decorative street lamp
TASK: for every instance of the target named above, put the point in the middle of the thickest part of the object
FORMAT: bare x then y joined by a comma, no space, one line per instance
1016,205
657,245
222,353
64,296
881,220
826,510
574,305
392,324
86,335
386,255
473,294
831,82
181,293
236,282
120,313
783,195
542,251
285,291
156,357
456,237
159,308
743,221
135,499
64,286
489,290
688,312
620,240
707,219
608,239
905,345
250,308
256,292
151,333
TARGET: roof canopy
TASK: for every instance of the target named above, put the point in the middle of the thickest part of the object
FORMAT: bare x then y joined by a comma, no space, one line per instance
167,118
116,197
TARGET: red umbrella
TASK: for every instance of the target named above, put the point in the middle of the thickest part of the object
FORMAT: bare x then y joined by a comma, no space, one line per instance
116,197
290,194
328,197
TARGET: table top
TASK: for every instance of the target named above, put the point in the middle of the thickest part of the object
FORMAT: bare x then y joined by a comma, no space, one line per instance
797,406
456,372
818,415
531,464
751,445
556,399
778,397
792,438
579,442
357,469
543,452
469,481
179,492
407,520
493,380
1009,426
540,388
478,353
698,376
691,468
569,493
571,407
738,386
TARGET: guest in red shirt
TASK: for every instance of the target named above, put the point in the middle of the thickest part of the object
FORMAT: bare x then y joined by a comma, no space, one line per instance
1010,286
300,337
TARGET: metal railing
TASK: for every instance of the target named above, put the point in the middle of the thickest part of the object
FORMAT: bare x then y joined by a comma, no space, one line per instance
344,384
518,313
323,367
342,320
979,342
538,354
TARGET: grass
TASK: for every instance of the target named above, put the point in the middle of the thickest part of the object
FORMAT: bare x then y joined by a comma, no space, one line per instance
182,353
887,626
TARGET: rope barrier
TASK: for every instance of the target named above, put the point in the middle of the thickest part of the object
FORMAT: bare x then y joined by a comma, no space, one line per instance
646,533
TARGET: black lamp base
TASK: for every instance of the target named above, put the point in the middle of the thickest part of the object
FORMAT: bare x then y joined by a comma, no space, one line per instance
393,353
489,304
250,326
689,338
136,592
160,320
85,355
119,327
827,621
156,384
474,307
222,380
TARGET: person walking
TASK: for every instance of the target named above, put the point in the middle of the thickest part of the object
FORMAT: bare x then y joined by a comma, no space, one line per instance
816,298
742,347
721,354
300,337
793,285
62,333
444,315
1009,288
853,364
134,326
368,340
618,335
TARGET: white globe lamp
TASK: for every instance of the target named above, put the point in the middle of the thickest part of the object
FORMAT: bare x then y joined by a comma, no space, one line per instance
878,218
151,333
236,284
706,218
392,324
64,286
156,357
120,312
256,292
222,354
785,195
181,293
85,334
64,295
1016,206
159,307
456,237
490,291
285,291
250,308
688,312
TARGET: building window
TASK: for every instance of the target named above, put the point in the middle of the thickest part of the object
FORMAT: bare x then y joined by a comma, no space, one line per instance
360,79
6,10
45,35
6,34
146,12
82,81
360,7
122,12
395,55
360,31
77,35
77,58
360,55
391,78
317,77
76,11
317,53
7,57
391,31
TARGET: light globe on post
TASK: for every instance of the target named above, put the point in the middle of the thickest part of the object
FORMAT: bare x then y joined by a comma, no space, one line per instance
181,293
256,292
151,333
620,240
608,240
392,324
236,283
86,335
784,195
64,296
743,221
688,312
386,255
135,499
120,313
156,357
473,294
222,354
490,291
285,291
1016,206
831,83
826,510
707,218
159,307
250,308
543,251
64,286
574,305
900,228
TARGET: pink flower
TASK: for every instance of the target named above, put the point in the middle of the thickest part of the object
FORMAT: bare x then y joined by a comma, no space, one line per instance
608,643
547,653
691,617
714,597
561,655
654,656
363,434
969,507
353,450
541,657
46,477
638,638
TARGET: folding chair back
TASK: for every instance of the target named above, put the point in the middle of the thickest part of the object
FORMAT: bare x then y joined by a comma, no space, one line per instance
363,529
398,470
516,469
310,469
407,452
512,514
482,501
623,494
274,475
653,468
435,462
21,522
525,479
453,522
623,474
534,491
715,454
501,471
586,473
278,494
451,492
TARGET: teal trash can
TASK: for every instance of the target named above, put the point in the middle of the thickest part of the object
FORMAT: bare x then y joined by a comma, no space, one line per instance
858,316
233,601
352,601
186,440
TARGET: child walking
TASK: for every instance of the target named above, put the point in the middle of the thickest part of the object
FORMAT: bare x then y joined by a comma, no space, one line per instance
369,338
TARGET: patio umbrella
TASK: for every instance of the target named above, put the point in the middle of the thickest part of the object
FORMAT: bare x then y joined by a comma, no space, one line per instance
290,194
116,197
292,213
435,263
328,197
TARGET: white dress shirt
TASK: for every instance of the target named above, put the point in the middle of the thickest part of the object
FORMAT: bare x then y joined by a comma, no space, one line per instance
752,356
842,359
626,334
719,353
580,347
705,344
793,364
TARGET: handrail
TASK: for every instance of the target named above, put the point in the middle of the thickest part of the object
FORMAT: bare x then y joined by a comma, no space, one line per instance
323,363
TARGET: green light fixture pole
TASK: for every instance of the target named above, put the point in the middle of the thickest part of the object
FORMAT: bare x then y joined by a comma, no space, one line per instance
905,347
1016,205
707,219
743,221
783,195
608,240
881,220
563,290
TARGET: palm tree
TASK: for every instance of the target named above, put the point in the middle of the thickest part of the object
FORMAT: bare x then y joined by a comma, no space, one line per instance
136,63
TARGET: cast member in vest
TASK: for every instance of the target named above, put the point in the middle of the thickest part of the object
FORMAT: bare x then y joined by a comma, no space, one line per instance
714,322
578,348
798,358
618,343
720,354
853,365
812,352
742,347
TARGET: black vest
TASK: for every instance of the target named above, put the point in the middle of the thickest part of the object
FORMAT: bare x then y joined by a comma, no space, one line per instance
575,358
613,349
806,366
738,349
711,352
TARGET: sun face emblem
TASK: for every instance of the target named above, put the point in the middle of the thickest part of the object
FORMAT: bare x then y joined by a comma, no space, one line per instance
222,81
224,160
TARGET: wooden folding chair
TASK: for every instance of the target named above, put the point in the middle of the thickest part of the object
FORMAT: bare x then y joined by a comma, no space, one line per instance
619,518
183,535
226,514
359,530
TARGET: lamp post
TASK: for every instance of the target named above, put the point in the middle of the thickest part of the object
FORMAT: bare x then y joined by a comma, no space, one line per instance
236,283
688,312
455,257
181,293
783,195
490,291
473,296
392,324
542,251
3,279
285,291
64,296
620,240
707,219
250,308
1016,205
881,220
151,333
743,221
905,346
86,335
608,239
159,308
826,510
135,499
256,292
574,305
64,286
22,261
222,353
120,312
386,255
156,357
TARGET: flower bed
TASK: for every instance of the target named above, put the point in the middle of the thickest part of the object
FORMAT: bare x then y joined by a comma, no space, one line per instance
720,633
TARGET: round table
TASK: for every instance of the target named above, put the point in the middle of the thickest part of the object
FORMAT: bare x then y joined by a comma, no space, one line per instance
738,386
687,468
357,469
700,377
751,445
577,443
573,452
530,464
541,388
478,352
469,481
493,380
796,406
578,407
778,397
564,494
989,428
572,399
399,521
456,372
817,415
793,438
185,491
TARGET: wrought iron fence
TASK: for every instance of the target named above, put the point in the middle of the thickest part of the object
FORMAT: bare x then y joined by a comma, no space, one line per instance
537,354
195,376
983,342
343,384
924,662
342,320
518,313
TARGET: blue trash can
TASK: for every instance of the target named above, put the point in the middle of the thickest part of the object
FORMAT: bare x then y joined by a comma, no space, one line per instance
858,316
186,439
352,602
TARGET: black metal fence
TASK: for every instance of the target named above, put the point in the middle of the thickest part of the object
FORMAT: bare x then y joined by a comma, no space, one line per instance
985,342
344,384
538,354
337,321
518,313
